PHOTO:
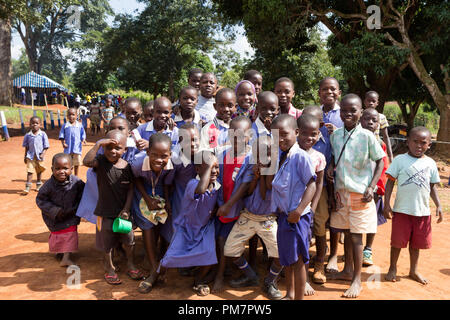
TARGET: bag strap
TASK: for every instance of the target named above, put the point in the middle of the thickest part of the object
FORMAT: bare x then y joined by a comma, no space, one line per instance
343,147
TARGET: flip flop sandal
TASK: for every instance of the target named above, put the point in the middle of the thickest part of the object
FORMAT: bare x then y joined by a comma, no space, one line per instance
201,290
113,280
135,274
145,287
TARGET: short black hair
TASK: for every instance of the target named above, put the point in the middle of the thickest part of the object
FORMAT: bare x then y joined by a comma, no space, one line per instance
327,78
159,137
368,110
306,119
371,93
186,88
194,71
265,94
351,96
222,91
312,110
207,74
148,104
120,118
285,117
251,73
35,117
241,119
419,129
61,155
284,79
133,100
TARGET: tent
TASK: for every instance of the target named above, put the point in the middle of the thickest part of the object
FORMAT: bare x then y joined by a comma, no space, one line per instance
37,83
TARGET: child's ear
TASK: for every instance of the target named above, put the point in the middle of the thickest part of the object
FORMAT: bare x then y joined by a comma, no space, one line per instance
297,132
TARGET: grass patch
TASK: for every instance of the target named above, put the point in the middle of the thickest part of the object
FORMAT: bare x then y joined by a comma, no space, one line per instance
12,114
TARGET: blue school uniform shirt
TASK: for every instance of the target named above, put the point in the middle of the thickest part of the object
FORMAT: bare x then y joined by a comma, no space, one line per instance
289,183
255,204
147,129
73,135
333,116
244,175
36,144
259,130
323,145
197,118
84,118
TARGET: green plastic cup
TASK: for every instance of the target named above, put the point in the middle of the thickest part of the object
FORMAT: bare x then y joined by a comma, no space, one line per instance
122,226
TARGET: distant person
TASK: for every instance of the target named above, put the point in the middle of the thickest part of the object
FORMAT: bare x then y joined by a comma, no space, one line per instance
72,136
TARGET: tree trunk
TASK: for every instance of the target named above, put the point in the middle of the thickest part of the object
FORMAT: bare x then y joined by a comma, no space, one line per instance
411,115
5,63
171,89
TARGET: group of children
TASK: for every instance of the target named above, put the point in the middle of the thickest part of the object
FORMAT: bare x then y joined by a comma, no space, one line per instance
224,168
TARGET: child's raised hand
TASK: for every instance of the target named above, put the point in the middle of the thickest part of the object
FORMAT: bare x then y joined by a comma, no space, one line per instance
105,142
171,123
267,122
439,214
142,144
331,127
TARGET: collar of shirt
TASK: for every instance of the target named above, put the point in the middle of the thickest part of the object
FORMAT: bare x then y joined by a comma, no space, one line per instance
336,107
217,184
178,117
150,127
184,160
261,127
39,132
75,124
146,164
221,123
293,111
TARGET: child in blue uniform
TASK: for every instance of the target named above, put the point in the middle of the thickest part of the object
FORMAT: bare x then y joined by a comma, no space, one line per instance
187,113
235,179
72,136
132,110
152,171
293,188
193,243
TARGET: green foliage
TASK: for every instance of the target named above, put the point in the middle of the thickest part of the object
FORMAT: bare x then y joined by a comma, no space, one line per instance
87,79
20,66
141,95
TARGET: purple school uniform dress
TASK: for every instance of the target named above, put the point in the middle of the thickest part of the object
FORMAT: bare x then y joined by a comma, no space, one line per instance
140,169
147,129
323,145
73,135
288,187
333,116
193,243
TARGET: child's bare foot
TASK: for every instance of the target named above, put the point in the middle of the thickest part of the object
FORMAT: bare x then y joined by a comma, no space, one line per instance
416,276
309,291
354,290
218,285
347,276
332,266
66,261
287,297
391,275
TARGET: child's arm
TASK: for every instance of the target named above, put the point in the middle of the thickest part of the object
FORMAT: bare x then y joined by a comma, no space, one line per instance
44,203
255,180
152,204
387,211
25,156
167,204
203,184
437,202
89,159
240,192
125,213
386,140
294,216
319,186
368,194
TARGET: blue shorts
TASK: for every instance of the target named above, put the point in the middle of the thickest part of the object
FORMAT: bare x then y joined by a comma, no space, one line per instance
223,229
293,239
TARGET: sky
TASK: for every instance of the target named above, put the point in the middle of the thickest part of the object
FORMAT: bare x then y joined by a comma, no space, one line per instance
240,45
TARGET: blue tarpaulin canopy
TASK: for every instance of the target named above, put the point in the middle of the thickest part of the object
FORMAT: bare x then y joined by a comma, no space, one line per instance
34,80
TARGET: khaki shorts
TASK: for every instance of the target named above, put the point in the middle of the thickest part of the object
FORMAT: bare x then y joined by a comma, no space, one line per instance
35,166
249,224
356,215
321,215
76,159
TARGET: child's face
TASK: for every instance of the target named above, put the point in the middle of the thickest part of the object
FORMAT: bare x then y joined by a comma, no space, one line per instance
225,106
114,151
62,169
162,112
35,125
191,141
285,93
268,108
148,114
208,85
350,113
194,80
240,134
329,92
108,102
119,124
369,120
72,116
418,143
287,135
132,112
159,155
371,101
245,95
257,82
188,100
308,135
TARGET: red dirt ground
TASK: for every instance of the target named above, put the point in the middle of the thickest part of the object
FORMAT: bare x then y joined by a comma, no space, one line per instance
29,271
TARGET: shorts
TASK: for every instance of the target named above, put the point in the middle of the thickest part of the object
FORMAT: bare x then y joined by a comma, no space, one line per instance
76,159
412,229
95,120
249,224
354,215
106,239
321,215
35,166
223,229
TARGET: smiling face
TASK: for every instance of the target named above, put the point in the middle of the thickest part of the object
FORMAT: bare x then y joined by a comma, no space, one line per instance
188,100
287,134
285,92
62,169
114,151
161,112
208,85
308,135
370,119
133,112
245,95
225,106
418,142
268,107
159,154
329,92
350,112
190,142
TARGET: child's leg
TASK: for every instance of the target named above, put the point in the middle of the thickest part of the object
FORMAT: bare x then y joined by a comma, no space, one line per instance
270,285
414,260
150,248
252,248
347,272
332,265
248,279
218,281
28,183
392,273
290,289
367,252
108,263
355,287
299,278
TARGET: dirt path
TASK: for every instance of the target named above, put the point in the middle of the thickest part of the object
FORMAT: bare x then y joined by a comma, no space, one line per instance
28,271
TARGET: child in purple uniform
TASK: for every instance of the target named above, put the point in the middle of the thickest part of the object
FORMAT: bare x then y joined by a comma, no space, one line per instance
187,113
293,188
72,136
194,241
